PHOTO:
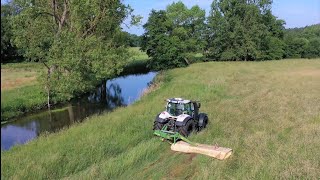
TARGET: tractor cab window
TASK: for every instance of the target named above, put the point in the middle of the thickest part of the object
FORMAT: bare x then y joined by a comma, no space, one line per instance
192,107
187,109
175,109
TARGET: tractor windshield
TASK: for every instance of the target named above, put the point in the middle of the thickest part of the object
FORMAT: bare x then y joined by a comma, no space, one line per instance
175,109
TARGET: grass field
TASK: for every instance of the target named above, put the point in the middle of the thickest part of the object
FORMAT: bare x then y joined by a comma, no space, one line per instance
17,75
267,112
138,55
20,91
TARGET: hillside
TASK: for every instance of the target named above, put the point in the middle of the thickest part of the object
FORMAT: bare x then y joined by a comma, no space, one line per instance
268,112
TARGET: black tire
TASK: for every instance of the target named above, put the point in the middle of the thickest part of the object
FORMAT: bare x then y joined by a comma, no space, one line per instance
157,126
187,129
204,124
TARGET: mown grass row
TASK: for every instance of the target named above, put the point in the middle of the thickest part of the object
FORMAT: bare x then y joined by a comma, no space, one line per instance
267,112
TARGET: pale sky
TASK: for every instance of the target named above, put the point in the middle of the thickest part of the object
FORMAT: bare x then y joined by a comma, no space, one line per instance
296,13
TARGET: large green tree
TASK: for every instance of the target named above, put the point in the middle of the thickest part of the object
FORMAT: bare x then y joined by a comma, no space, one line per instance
77,41
187,25
173,35
8,49
243,30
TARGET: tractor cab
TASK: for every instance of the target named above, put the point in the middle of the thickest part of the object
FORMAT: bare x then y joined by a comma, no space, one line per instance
176,109
178,106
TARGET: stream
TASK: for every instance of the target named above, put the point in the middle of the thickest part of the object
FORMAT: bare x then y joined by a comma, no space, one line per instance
121,91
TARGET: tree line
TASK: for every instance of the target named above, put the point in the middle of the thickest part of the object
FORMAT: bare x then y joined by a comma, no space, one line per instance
80,43
235,30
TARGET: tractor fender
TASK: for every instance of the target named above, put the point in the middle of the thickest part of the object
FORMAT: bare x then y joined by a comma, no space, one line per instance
202,118
183,117
164,115
182,121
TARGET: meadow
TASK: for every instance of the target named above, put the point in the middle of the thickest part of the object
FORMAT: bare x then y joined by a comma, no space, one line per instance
267,112
20,90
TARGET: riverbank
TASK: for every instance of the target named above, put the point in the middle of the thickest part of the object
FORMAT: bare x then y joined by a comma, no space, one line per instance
121,91
267,112
21,92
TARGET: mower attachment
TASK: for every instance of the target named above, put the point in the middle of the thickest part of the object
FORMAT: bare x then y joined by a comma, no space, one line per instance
170,135
187,146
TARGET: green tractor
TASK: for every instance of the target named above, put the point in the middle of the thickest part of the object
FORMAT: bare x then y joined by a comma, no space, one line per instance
180,117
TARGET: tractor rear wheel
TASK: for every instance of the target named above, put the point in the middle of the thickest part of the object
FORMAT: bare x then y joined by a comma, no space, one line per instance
187,129
157,126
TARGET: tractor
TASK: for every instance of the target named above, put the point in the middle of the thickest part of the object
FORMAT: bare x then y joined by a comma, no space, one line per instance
181,116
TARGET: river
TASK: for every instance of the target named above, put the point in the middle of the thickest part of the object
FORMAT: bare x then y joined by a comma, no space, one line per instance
121,91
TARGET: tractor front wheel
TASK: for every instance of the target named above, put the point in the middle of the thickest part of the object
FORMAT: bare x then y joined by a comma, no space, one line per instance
157,126
186,129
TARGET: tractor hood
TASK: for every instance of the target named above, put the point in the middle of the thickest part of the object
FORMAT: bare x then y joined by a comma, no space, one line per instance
180,118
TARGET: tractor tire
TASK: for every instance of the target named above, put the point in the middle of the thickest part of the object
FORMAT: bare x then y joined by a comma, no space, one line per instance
157,126
187,129
204,121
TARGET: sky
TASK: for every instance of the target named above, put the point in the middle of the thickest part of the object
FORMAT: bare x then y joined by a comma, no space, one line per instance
296,13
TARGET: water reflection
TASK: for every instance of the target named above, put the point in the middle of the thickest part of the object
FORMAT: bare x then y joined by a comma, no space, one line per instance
114,93
109,94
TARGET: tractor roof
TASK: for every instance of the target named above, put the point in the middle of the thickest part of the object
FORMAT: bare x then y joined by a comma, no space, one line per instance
179,100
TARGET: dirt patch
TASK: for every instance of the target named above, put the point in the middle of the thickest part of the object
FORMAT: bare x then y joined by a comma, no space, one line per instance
6,85
191,156
180,169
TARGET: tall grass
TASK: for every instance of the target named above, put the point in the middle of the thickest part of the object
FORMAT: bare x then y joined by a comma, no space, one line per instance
20,100
268,112
20,91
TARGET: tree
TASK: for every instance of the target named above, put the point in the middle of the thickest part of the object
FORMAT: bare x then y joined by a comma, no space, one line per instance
134,40
188,25
296,47
8,50
302,42
77,41
164,50
173,35
313,48
272,45
242,30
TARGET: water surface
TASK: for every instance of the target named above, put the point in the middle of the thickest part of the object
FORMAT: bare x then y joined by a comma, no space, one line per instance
121,91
